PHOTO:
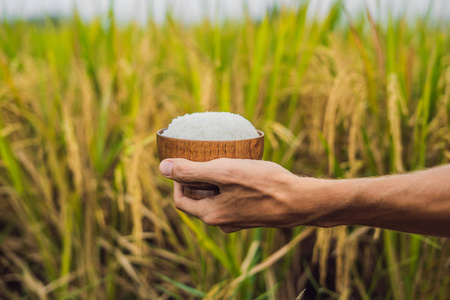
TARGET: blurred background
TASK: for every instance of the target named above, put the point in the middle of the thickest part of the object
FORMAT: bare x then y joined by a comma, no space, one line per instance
341,89
195,10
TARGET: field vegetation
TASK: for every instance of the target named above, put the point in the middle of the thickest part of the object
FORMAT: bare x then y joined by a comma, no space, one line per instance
85,214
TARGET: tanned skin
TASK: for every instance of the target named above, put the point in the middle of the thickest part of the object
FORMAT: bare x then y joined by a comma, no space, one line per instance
264,194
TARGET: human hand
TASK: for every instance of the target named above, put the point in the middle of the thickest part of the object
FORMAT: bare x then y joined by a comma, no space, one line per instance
263,194
252,193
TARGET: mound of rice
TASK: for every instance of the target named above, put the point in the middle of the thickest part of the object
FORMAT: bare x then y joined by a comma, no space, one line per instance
211,126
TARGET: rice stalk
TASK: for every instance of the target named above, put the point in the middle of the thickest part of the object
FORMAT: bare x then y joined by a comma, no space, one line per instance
345,257
354,138
321,252
78,148
135,192
394,105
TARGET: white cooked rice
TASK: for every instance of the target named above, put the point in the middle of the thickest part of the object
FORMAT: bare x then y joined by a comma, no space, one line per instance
211,126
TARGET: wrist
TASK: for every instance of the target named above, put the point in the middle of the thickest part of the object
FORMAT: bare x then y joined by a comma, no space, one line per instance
338,202
324,202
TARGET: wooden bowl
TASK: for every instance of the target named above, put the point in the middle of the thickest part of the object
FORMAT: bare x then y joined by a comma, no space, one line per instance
201,150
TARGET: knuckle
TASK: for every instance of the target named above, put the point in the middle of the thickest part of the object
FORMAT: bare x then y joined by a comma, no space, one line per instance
229,176
213,219
181,172
223,169
222,160
227,229
178,203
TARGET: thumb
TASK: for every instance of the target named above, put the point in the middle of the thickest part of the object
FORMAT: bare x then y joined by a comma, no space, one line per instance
183,170
165,167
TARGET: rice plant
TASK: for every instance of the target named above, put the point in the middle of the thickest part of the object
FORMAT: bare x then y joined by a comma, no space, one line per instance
85,214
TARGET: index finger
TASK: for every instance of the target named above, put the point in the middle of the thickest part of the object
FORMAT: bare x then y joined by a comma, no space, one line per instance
196,208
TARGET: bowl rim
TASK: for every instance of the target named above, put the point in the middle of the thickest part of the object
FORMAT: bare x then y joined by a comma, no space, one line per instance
159,133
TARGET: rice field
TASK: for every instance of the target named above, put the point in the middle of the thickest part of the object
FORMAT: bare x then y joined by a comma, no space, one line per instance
85,214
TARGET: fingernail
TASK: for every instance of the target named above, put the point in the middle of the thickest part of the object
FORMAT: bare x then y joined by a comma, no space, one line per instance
165,167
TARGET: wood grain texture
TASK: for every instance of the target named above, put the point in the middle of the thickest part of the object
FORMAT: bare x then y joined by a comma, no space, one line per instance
200,150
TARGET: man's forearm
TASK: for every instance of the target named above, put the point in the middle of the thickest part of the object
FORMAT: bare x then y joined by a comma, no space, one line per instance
263,194
416,202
